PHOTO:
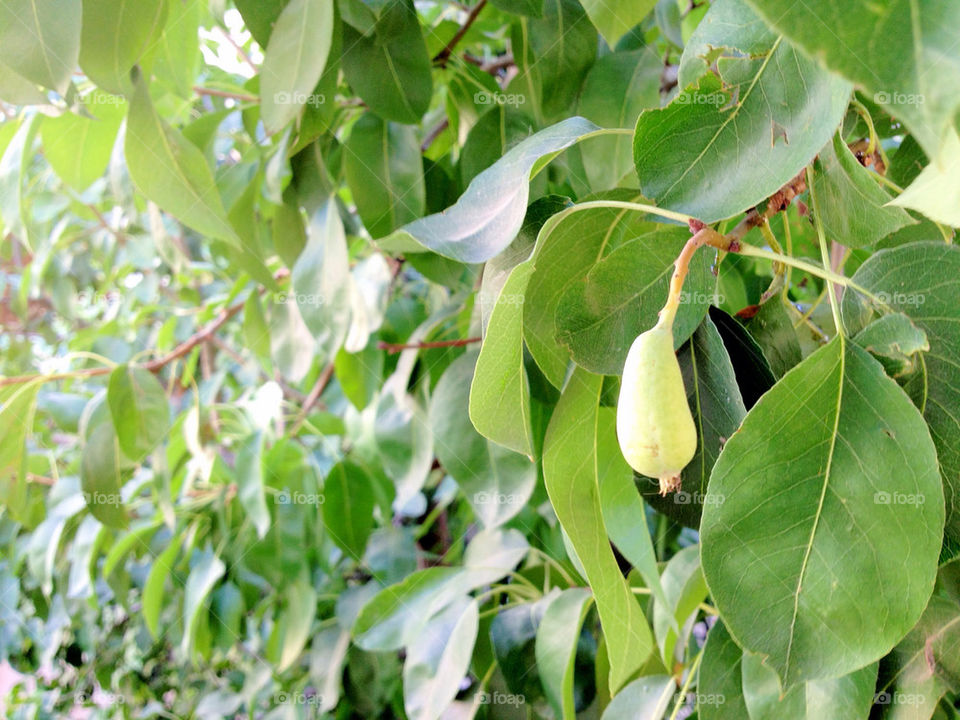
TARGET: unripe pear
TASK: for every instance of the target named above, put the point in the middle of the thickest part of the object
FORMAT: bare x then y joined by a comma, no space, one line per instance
654,425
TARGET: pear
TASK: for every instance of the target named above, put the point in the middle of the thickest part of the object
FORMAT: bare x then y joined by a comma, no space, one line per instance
654,425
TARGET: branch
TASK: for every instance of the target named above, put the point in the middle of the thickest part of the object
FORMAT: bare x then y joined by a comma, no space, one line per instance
399,347
315,392
444,55
225,94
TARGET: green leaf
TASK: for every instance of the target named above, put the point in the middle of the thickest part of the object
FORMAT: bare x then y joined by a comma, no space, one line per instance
771,130
294,60
172,171
496,482
570,467
78,148
902,50
719,685
101,467
847,696
321,281
295,622
495,132
489,214
499,403
615,18
40,40
556,647
348,501
621,296
569,245
176,52
328,650
139,408
126,543
259,16
153,589
896,342
437,661
850,202
714,399
204,574
384,170
553,53
249,467
649,698
936,191
16,415
684,589
256,332
114,36
922,280
616,90
730,27
859,481
292,345
360,374
773,329
925,665
391,74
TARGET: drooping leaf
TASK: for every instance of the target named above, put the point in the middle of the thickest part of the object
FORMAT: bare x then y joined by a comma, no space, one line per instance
172,171
294,623
771,127
615,18
384,170
859,480
570,466
922,280
114,36
556,647
497,482
40,40
19,405
850,202
348,507
153,589
391,74
650,697
79,147
684,589
204,574
139,407
294,60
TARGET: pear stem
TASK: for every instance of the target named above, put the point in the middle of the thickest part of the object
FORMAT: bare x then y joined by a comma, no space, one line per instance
704,236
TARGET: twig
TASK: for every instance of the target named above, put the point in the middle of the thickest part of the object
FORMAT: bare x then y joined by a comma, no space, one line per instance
240,51
315,392
434,134
400,347
444,55
225,94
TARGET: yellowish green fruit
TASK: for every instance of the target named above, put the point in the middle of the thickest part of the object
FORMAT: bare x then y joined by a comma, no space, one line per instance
654,425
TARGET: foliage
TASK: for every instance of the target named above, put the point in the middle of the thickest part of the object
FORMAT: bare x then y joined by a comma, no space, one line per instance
314,319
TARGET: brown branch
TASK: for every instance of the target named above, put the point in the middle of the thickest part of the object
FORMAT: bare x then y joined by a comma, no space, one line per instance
399,347
434,134
240,51
444,55
315,392
225,94
493,66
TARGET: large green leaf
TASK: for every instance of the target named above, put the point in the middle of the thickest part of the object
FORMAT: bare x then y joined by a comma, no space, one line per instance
615,18
390,68
115,35
497,482
16,413
172,171
348,502
489,214
859,483
556,647
719,687
850,203
848,696
621,296
321,281
616,90
902,50
438,659
153,589
294,61
495,132
384,170
649,697
293,626
714,399
40,40
77,147
499,402
204,574
783,109
571,457
139,407
922,280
